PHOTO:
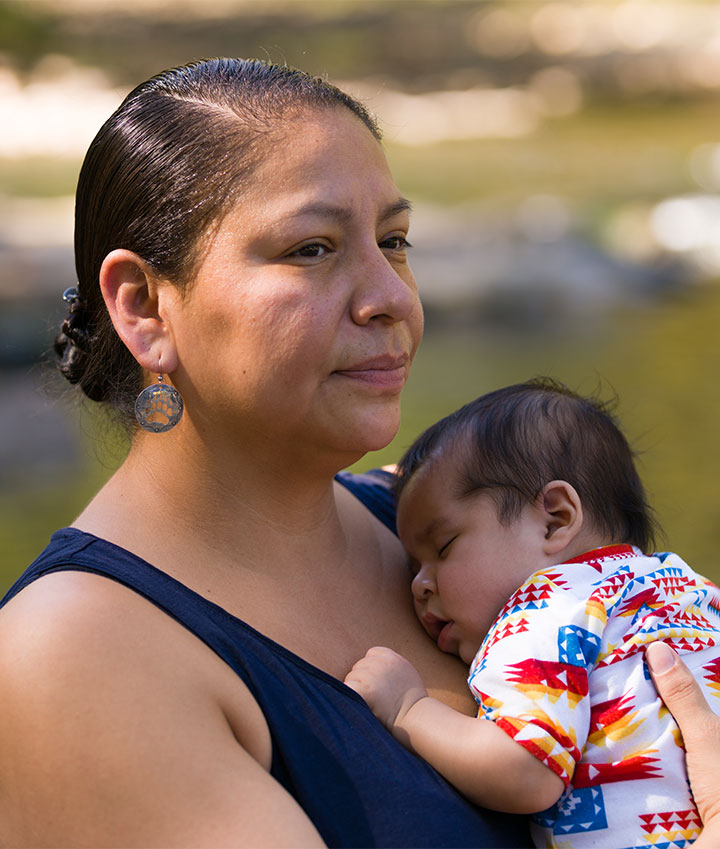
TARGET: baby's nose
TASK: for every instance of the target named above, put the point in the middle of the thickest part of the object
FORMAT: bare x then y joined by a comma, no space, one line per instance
423,585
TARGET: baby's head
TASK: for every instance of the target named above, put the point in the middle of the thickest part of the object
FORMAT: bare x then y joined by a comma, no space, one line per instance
518,480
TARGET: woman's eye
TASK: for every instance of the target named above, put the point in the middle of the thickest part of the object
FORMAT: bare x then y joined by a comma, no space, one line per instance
314,250
395,243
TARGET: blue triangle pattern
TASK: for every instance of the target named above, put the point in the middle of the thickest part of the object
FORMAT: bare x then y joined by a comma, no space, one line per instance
577,646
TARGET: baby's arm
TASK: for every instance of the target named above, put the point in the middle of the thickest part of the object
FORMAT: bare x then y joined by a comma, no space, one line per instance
476,756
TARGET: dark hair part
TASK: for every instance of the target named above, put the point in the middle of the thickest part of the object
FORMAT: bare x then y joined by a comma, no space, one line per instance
164,167
516,440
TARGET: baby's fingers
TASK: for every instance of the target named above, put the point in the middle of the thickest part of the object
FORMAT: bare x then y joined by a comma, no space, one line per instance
364,674
355,678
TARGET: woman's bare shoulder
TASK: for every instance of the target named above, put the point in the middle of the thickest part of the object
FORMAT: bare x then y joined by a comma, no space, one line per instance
66,616
108,707
78,637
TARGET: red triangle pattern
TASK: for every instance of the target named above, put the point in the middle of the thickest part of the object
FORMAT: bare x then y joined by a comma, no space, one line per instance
649,597
605,714
509,629
547,675
696,619
630,769
713,672
680,644
670,821
613,583
535,591
530,594
673,583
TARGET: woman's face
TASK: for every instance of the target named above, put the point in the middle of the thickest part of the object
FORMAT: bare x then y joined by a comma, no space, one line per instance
303,317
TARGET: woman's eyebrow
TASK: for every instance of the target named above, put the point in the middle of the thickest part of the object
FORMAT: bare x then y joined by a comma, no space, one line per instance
401,205
344,214
341,214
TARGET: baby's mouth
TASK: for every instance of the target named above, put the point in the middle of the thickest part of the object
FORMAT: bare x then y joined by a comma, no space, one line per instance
445,641
434,625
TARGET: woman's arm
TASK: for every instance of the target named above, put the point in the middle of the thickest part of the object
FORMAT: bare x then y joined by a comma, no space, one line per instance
474,755
121,729
700,728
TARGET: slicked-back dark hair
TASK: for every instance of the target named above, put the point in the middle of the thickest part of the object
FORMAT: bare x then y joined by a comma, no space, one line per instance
165,166
514,441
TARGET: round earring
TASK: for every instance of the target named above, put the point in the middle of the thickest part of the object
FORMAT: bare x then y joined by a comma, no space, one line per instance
159,407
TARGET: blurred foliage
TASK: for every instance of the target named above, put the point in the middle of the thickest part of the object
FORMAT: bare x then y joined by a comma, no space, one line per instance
575,156
603,155
26,33
419,45
31,510
38,176
661,362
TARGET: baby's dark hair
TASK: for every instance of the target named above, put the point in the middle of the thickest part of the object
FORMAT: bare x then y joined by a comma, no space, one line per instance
515,440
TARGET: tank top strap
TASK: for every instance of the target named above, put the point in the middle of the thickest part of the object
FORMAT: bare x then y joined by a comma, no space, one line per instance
374,489
74,550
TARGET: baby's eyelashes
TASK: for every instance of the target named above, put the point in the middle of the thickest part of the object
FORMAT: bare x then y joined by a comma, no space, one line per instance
445,547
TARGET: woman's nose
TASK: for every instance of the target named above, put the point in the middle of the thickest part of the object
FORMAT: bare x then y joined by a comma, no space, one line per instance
423,584
385,292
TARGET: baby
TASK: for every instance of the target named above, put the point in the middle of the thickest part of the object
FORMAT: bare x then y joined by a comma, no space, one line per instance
526,522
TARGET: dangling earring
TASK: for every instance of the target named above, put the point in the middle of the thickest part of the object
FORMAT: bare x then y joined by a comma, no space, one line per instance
159,407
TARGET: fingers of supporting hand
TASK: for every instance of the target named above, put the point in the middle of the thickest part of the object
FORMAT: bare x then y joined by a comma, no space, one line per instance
678,689
700,728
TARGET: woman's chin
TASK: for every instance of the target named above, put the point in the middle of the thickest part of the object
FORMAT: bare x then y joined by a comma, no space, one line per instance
360,441
379,432
355,429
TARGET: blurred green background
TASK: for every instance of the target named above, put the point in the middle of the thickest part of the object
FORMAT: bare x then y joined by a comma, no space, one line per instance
564,163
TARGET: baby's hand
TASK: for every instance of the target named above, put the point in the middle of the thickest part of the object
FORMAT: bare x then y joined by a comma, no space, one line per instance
388,682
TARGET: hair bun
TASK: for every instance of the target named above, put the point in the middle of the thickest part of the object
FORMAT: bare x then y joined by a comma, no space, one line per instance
72,358
75,326
72,347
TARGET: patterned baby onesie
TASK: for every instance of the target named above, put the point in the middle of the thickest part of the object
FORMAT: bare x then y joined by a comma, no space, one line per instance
562,672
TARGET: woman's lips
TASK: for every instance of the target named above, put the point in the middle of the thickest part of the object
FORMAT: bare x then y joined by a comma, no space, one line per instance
386,372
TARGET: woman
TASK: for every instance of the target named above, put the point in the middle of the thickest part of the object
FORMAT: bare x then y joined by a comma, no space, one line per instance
240,239
238,234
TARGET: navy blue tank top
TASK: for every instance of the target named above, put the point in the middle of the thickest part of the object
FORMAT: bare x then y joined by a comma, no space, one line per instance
356,783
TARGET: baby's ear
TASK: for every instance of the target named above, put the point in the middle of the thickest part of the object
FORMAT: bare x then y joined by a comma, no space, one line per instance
562,513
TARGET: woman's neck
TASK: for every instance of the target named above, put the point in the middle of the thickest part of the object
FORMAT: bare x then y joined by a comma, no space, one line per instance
289,554
169,492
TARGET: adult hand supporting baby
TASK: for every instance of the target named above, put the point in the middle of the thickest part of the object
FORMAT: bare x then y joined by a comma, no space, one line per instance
388,682
700,728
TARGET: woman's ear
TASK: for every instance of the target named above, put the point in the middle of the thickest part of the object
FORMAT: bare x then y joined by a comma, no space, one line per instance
561,510
133,295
